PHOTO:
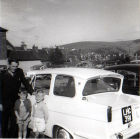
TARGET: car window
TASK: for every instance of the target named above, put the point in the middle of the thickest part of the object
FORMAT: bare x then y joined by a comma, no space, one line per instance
131,82
64,86
101,85
131,77
42,81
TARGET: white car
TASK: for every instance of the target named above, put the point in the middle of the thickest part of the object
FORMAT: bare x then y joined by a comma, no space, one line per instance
87,104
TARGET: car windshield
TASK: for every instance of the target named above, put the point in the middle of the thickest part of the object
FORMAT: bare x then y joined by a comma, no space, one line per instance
101,85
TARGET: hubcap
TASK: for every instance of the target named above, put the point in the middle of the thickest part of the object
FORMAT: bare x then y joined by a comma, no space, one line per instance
63,134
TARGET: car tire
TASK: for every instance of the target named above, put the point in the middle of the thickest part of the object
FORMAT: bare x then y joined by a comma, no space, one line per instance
62,133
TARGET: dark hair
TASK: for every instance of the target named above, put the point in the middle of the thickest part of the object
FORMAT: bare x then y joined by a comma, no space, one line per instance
13,60
23,90
40,91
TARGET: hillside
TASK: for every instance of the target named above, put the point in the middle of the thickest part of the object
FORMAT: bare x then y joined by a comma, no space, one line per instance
132,45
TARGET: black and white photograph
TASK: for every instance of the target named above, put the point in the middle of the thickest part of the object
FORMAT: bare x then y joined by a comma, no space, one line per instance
70,69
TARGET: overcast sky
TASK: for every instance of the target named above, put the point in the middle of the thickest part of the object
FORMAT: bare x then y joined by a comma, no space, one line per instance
56,22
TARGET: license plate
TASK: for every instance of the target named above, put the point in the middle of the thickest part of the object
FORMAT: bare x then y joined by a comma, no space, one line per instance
126,114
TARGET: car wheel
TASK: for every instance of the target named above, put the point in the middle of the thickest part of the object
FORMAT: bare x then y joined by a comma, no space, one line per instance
63,134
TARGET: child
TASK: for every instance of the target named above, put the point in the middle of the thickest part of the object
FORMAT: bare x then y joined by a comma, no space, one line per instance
22,112
40,113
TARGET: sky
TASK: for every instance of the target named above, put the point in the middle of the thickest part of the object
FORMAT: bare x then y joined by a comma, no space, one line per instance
47,23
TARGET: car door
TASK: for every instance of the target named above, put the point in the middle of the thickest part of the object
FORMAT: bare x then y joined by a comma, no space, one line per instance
63,99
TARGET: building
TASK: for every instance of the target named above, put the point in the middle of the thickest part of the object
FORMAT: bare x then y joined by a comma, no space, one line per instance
28,57
3,47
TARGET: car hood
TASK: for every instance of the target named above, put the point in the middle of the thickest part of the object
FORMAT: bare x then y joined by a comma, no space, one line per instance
113,99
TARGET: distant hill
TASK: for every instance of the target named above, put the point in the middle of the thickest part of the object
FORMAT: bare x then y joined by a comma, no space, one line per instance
131,45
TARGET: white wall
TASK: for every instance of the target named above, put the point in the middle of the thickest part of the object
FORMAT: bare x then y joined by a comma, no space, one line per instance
25,65
3,62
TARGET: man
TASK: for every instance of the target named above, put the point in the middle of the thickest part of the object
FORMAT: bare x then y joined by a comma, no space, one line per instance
10,84
0,111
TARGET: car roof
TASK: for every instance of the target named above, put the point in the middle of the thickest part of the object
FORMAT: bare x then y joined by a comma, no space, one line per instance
130,67
77,72
135,61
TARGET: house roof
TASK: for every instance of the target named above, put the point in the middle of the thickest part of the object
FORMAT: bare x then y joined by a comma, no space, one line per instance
17,48
28,55
9,45
3,30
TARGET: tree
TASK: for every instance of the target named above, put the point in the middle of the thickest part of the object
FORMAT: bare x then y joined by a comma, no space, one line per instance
56,57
